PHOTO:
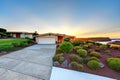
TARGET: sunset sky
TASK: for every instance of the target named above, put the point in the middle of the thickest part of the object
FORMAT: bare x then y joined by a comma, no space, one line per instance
82,18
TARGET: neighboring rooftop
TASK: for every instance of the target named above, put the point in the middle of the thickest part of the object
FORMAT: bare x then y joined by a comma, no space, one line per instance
20,32
56,34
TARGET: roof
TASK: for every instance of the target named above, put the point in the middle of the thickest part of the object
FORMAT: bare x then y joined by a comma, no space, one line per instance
56,34
20,32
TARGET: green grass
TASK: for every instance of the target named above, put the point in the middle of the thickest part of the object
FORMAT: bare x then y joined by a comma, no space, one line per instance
6,44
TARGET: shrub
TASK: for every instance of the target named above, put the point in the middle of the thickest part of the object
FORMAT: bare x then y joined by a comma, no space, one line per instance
82,52
107,52
114,63
16,44
90,50
77,42
67,39
22,44
76,66
29,41
93,64
85,46
85,60
103,46
66,47
94,58
76,58
58,50
97,43
61,60
116,47
90,44
77,47
57,57
95,54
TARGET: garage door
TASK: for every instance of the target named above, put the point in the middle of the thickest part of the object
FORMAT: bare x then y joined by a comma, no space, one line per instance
46,40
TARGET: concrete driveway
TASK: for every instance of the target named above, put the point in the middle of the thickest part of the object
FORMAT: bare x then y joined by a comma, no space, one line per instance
31,63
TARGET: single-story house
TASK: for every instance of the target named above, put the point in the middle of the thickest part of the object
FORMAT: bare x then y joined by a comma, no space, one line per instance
21,34
52,38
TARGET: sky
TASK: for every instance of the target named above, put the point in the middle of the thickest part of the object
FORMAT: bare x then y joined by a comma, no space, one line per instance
81,18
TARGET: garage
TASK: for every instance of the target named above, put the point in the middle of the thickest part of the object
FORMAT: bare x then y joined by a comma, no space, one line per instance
46,40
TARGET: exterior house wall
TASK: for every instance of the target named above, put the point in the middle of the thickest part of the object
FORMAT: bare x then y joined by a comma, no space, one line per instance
22,36
26,35
14,35
17,35
60,38
29,35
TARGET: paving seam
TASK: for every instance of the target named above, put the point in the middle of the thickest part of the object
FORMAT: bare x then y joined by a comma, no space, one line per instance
21,73
27,61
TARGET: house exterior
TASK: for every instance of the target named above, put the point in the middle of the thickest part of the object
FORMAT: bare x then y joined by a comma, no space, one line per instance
52,38
21,34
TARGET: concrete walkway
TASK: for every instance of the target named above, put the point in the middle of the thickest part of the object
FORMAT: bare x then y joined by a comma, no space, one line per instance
31,63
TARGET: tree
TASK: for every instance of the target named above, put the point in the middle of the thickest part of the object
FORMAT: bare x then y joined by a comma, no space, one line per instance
34,35
2,33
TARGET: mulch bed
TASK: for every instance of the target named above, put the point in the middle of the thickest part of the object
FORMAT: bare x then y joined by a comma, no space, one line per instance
105,71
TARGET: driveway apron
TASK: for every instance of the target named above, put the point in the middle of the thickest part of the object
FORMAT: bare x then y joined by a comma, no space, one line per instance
31,63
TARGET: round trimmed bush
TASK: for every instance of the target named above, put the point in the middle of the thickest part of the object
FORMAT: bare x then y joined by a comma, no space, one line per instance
57,57
76,58
114,63
77,47
85,46
93,64
90,44
61,60
77,42
76,66
94,58
95,54
85,60
103,46
66,47
82,52
58,50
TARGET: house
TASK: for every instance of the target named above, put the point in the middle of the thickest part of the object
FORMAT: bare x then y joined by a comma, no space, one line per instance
52,38
21,34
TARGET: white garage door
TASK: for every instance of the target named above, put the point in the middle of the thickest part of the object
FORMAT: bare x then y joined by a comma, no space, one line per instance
46,40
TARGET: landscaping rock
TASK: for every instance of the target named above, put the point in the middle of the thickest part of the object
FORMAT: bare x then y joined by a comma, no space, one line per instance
64,64
101,64
70,66
56,63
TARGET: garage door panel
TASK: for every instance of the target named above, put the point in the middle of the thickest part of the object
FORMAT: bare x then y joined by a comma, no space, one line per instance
46,40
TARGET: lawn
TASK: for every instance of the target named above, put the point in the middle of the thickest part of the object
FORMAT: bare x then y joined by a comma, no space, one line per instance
90,57
7,44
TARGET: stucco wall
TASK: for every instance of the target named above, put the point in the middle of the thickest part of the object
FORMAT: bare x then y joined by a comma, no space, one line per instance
26,35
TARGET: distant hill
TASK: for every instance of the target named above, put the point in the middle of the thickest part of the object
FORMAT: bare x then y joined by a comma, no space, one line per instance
95,39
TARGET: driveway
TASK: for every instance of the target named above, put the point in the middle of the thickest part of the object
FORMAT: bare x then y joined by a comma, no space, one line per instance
31,63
